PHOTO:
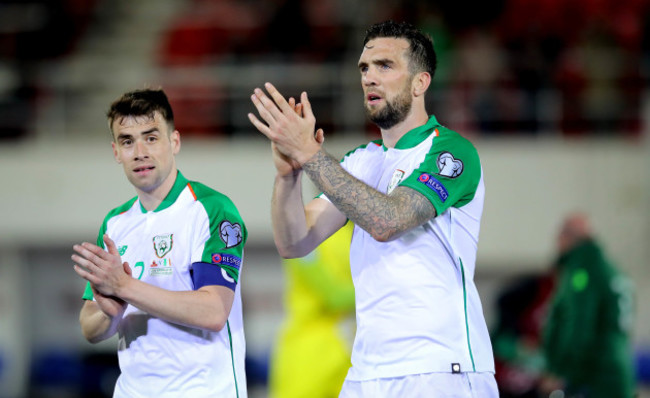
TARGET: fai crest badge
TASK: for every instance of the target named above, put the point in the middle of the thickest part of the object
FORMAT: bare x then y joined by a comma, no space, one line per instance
230,233
448,166
162,244
395,180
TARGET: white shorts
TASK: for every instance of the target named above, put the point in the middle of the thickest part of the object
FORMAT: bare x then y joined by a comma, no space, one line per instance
426,385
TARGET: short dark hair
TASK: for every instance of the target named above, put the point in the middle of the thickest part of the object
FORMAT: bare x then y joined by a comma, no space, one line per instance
422,55
143,102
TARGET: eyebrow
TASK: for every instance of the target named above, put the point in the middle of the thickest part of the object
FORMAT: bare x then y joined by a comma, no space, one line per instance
150,131
381,61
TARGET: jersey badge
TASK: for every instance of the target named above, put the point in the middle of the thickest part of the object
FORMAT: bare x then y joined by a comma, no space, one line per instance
163,262
162,244
395,180
229,260
161,267
436,186
448,166
230,233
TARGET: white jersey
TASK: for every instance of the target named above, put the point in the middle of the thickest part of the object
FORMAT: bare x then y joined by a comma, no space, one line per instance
194,224
418,310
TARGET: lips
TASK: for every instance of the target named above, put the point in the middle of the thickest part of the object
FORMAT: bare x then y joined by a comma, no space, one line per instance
143,169
373,98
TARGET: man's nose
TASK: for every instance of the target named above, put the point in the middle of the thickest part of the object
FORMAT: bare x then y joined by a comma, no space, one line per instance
140,150
369,78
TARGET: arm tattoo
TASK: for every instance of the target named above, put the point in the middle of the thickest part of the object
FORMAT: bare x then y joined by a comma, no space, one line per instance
383,216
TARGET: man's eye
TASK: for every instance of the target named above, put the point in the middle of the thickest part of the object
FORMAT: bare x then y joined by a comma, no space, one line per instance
126,142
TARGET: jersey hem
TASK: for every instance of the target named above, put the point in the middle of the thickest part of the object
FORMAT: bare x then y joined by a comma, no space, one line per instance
407,372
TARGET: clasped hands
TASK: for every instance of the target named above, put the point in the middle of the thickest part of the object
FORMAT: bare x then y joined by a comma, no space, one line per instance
105,272
289,125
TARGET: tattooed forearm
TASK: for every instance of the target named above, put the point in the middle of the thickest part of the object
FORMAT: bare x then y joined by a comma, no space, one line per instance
383,216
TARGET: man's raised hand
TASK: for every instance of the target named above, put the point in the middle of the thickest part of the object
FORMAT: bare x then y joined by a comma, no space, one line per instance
289,127
103,269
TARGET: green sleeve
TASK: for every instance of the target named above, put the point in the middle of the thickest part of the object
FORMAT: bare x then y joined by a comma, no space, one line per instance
228,233
449,174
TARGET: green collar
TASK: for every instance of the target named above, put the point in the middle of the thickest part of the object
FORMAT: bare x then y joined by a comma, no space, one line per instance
417,135
180,184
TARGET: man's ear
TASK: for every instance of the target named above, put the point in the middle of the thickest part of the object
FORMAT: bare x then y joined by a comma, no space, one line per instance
115,154
421,83
175,139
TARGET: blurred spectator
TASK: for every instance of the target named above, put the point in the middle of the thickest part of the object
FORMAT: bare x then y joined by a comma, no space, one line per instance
586,50
289,13
587,334
232,30
31,32
199,105
208,32
519,66
312,355
596,80
480,78
517,337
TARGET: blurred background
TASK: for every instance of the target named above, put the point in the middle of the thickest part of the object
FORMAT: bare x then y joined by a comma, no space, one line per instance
553,93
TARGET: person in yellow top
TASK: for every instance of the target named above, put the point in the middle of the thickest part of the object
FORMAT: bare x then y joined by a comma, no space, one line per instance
312,354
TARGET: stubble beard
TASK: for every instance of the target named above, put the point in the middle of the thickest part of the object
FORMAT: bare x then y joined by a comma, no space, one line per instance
394,112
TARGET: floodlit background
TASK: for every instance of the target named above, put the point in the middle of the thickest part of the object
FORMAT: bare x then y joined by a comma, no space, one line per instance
553,93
